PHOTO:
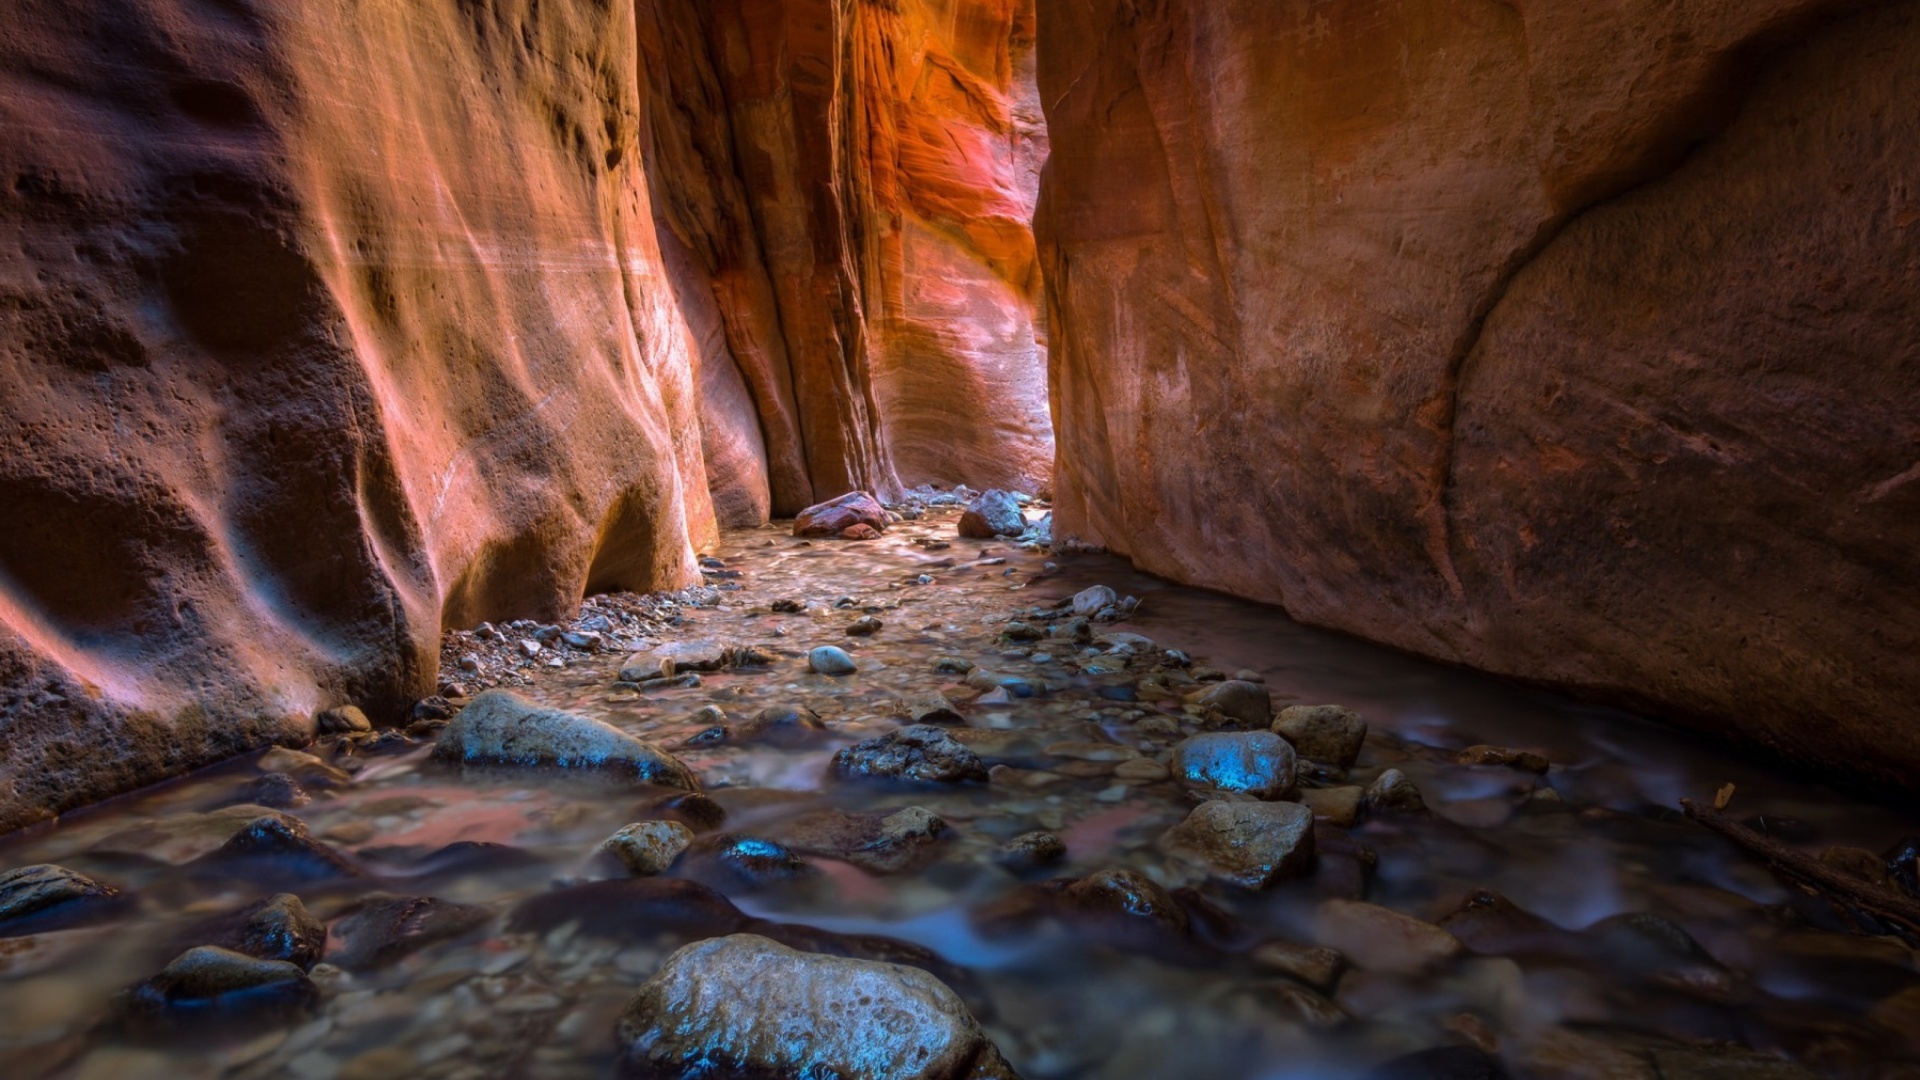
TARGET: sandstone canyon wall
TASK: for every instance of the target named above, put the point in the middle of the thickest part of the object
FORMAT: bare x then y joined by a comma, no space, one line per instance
1579,343
324,324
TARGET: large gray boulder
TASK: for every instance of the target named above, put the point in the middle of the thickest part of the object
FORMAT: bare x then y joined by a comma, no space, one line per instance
994,513
746,1006
499,728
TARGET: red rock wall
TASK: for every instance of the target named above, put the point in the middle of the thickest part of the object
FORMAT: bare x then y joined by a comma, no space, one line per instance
320,324
1575,342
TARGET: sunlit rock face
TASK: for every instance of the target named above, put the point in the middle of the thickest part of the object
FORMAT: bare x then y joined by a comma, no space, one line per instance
323,323
854,182
1574,342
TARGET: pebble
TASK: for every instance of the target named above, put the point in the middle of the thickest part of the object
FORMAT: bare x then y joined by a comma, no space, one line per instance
1030,851
993,513
1393,793
931,707
1327,733
1339,805
1090,602
649,847
1256,763
865,626
500,728
743,1005
921,753
1375,938
1245,702
1248,844
828,660
344,719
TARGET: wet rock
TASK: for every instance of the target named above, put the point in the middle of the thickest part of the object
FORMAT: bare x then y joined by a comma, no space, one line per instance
1021,632
1245,702
678,658
1256,763
1092,601
696,810
860,531
1502,756
343,720
828,660
1313,965
779,725
1339,805
1142,770
281,928
277,791
835,516
44,897
1441,1063
1127,905
1329,733
209,982
880,841
952,665
1076,629
1013,685
865,626
921,753
991,514
1381,939
931,708
631,909
1492,925
1030,851
1393,793
386,929
747,1006
277,847
432,709
1307,1007
1659,950
1251,845
751,862
788,607
1903,865
649,847
499,728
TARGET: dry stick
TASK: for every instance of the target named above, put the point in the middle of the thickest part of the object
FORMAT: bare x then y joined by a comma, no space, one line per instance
1883,904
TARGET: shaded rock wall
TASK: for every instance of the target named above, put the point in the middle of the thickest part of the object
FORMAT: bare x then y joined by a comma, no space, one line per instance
1574,342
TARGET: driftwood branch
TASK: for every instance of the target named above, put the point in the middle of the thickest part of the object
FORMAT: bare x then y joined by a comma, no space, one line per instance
1896,909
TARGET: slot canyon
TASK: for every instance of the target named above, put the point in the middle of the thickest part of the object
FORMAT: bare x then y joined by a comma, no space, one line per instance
960,539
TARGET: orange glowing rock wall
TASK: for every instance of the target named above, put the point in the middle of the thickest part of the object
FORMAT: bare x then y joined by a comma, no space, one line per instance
324,324
1575,342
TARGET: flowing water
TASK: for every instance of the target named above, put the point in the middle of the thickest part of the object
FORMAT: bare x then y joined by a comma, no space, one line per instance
1740,975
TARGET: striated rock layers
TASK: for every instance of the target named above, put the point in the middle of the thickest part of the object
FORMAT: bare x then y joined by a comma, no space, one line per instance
325,324
1574,342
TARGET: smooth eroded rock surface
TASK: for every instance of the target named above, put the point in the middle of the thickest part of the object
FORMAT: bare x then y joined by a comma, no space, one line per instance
499,728
747,1006
1573,342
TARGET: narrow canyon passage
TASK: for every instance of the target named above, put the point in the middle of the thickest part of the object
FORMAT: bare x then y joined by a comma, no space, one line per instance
884,538
996,794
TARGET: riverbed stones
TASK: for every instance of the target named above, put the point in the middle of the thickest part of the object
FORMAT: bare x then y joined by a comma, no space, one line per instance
37,897
992,514
879,841
920,753
649,847
931,707
1339,805
831,660
281,928
1329,733
835,516
382,930
1502,756
1376,938
1315,965
864,626
502,729
678,658
1247,703
208,981
778,725
343,720
1030,851
1393,793
1092,601
1256,763
1128,903
744,1005
1253,845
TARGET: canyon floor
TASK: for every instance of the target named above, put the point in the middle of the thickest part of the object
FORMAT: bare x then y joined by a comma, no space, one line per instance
1080,825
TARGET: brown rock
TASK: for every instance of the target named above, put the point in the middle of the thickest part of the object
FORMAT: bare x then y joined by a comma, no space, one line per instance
1381,939
1490,327
1330,733
1250,844
836,516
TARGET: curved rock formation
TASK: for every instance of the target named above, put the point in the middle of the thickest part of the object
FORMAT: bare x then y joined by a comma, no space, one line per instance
323,324
1573,343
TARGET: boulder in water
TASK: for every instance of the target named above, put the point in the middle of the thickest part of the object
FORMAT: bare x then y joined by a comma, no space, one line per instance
835,516
921,753
1250,844
1256,763
992,514
499,728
